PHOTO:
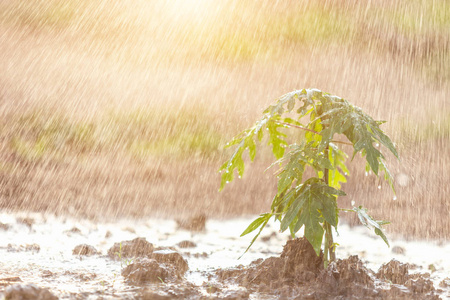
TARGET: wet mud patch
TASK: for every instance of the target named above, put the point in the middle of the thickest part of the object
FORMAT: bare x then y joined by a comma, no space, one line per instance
154,262
298,274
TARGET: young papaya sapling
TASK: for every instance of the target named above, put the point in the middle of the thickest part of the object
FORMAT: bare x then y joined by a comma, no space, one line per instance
312,202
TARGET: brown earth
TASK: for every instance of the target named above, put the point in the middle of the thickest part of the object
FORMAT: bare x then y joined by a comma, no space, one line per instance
70,87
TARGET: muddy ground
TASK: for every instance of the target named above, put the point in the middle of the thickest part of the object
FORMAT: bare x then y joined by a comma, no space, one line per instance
45,257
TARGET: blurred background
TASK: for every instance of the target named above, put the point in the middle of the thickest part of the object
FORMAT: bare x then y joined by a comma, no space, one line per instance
115,109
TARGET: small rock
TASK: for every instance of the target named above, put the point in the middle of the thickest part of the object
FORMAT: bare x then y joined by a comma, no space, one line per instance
398,250
32,247
25,221
139,247
87,276
84,249
200,255
445,283
186,244
211,288
145,270
129,229
73,230
173,259
28,292
197,223
27,247
108,234
4,226
47,273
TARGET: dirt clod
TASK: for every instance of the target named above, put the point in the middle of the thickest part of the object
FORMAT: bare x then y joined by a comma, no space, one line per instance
28,292
4,226
84,249
187,244
25,221
27,248
394,271
297,264
445,283
173,259
139,247
145,270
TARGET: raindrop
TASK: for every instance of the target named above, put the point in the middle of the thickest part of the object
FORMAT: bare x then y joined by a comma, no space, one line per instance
226,171
395,198
345,173
367,173
239,176
353,202
379,187
228,181
377,145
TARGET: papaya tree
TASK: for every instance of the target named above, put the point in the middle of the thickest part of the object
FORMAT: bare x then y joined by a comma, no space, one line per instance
312,202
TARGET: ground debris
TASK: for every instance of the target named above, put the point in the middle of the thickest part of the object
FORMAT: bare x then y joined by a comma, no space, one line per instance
164,265
172,259
27,248
139,247
298,274
28,292
145,270
187,244
84,249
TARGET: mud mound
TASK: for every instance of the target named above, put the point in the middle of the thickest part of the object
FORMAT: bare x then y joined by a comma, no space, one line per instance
347,278
28,292
298,274
300,260
298,264
172,259
84,249
139,247
398,273
145,270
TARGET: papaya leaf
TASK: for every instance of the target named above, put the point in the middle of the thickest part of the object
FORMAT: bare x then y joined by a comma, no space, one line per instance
311,203
256,223
276,139
265,219
369,222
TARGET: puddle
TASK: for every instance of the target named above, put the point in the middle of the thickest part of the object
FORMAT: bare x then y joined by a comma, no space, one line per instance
39,252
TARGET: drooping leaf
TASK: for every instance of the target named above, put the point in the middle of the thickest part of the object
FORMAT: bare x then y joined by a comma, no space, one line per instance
369,222
265,219
256,223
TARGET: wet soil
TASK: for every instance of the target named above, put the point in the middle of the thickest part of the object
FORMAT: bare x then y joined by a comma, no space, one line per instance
160,260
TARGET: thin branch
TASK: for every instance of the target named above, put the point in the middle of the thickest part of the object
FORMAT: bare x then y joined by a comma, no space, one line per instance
313,131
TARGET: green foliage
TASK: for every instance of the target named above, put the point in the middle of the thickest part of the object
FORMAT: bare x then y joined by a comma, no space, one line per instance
311,203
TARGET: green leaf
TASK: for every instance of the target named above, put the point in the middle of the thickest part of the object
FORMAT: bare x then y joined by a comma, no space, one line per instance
266,218
330,210
276,139
256,223
369,222
310,216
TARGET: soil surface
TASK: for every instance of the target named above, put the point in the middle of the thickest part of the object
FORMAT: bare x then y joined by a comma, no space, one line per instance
51,258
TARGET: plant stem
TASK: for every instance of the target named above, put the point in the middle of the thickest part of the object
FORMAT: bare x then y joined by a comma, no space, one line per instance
330,256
